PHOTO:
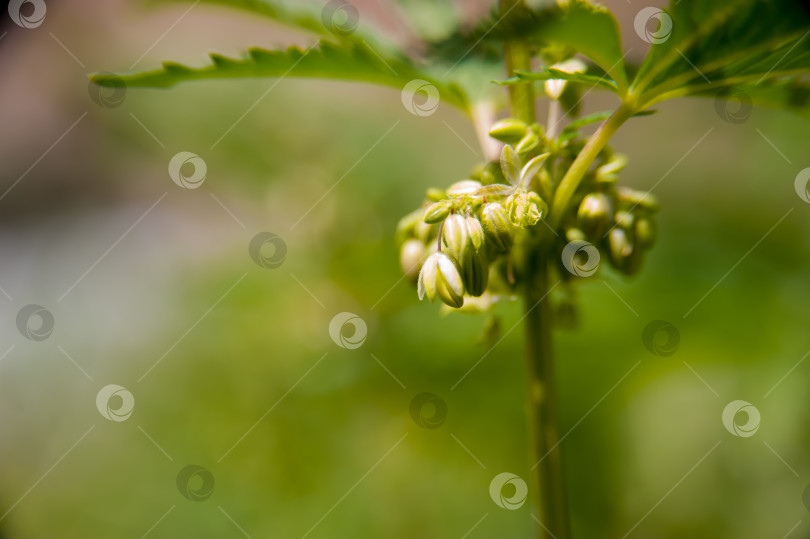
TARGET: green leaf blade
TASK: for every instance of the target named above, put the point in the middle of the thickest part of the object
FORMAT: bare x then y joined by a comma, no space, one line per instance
593,31
717,47
549,73
340,61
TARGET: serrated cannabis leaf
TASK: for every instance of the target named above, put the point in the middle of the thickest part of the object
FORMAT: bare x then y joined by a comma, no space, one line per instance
342,61
593,31
550,73
720,47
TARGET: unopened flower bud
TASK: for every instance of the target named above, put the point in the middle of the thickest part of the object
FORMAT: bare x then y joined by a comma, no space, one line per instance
474,271
621,249
646,232
411,255
499,230
475,231
407,225
440,277
625,220
435,195
464,187
595,214
437,212
527,143
509,131
455,235
609,172
642,199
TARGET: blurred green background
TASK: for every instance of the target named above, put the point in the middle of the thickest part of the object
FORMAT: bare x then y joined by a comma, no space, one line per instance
325,443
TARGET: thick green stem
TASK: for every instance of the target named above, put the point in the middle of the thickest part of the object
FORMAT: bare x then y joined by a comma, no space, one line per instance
549,483
568,185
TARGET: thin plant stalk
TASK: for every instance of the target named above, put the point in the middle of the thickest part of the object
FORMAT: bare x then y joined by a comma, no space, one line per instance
549,481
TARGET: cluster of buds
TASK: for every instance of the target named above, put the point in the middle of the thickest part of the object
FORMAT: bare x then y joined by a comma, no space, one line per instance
618,220
456,248
466,244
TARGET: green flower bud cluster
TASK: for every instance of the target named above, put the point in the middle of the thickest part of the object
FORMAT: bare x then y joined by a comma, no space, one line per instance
618,220
525,138
470,243
458,247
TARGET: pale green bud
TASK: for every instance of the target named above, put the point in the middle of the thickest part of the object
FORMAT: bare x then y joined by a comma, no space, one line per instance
646,232
475,231
407,225
508,131
625,220
437,212
487,177
499,230
595,214
645,200
435,195
494,189
464,187
455,234
474,271
440,277
411,255
609,172
525,208
621,249
527,143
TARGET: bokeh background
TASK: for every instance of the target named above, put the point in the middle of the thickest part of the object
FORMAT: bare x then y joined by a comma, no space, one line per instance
232,367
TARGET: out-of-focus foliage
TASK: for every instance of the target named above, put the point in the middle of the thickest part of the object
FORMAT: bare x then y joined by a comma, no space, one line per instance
307,458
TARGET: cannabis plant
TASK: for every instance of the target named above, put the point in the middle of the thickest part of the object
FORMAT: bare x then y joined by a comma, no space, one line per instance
546,209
